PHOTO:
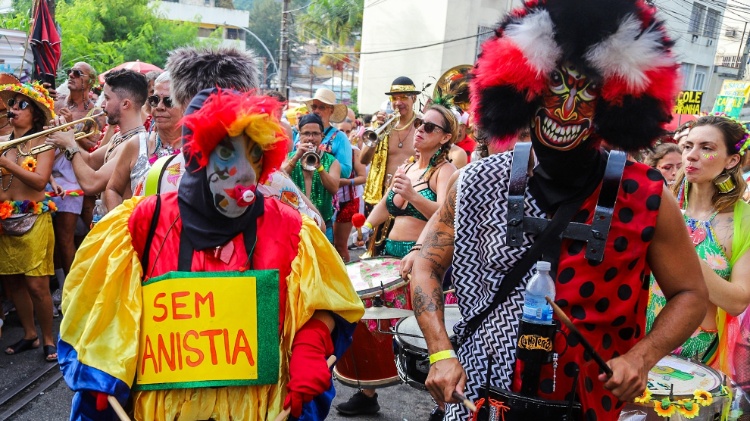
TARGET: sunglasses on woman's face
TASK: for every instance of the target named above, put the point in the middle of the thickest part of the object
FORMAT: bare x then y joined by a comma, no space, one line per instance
428,127
22,104
154,100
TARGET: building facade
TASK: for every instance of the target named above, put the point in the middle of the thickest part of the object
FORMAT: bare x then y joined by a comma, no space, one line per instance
420,39
230,22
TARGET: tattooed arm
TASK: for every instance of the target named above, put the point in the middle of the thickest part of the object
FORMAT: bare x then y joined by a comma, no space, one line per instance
428,270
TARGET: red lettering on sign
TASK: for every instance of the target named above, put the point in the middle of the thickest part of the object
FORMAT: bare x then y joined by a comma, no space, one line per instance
179,350
162,354
241,344
177,305
210,334
161,306
148,353
198,352
199,299
226,345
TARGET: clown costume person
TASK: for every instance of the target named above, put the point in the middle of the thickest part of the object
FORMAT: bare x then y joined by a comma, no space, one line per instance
212,302
577,73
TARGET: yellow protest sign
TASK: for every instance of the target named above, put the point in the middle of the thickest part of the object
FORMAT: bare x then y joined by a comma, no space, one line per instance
688,102
209,329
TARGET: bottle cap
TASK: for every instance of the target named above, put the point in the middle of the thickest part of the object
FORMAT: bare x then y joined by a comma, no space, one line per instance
542,265
97,202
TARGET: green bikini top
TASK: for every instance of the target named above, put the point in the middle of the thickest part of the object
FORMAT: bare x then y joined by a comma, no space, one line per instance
410,210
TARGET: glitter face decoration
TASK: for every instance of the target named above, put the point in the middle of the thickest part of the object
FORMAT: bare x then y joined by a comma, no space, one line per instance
566,116
232,174
709,156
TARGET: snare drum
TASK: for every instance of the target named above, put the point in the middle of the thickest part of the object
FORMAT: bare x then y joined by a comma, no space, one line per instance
412,360
370,362
683,377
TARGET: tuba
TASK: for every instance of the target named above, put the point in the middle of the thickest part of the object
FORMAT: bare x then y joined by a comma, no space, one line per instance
453,86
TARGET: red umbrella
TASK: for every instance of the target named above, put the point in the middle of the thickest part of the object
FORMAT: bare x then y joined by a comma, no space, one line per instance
45,44
678,120
138,66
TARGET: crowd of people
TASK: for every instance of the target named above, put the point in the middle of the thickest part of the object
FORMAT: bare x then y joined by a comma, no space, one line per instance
198,171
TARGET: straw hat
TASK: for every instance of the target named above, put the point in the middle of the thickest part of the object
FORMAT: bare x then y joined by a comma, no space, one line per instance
327,96
35,92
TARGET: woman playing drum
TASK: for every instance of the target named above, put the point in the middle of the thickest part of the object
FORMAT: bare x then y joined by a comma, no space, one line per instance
417,189
709,189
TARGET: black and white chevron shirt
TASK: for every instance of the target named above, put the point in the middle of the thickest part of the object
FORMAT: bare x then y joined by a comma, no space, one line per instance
480,260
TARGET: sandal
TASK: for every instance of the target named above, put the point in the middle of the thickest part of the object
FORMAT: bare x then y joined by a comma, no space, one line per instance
49,351
22,345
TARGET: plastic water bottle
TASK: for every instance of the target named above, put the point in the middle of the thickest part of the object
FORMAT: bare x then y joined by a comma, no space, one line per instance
99,212
536,309
536,332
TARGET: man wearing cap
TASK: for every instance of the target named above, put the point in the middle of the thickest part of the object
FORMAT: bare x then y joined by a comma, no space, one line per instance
396,147
27,240
321,183
323,104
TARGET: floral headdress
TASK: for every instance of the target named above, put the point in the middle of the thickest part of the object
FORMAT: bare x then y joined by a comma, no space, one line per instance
34,91
618,43
230,113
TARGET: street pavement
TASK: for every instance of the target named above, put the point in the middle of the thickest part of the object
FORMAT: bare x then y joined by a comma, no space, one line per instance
397,403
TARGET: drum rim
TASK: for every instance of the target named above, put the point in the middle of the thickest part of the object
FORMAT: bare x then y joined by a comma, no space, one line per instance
351,382
716,373
374,291
415,348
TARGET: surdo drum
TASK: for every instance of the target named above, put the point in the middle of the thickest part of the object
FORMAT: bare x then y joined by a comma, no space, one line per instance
370,361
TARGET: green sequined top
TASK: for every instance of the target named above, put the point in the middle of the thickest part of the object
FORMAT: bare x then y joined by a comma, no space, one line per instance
321,198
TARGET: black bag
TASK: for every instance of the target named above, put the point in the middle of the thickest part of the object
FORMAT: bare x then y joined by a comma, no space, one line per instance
510,406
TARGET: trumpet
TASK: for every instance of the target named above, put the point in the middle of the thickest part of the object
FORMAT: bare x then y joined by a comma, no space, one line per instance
310,160
373,137
4,146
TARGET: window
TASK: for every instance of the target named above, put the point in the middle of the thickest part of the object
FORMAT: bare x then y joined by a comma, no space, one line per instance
483,36
696,18
712,24
700,77
233,33
205,32
686,70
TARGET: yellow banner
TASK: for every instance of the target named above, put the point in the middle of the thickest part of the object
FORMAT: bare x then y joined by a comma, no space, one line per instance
688,102
200,330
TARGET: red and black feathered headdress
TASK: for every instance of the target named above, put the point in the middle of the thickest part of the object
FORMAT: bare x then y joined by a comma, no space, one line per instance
620,44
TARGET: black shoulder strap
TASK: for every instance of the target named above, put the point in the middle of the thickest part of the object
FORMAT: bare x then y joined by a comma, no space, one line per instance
513,278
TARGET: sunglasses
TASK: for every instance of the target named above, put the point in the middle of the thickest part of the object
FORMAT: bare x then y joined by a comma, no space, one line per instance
320,107
22,104
154,100
428,127
76,73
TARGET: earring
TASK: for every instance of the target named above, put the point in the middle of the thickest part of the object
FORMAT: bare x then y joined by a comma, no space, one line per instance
725,183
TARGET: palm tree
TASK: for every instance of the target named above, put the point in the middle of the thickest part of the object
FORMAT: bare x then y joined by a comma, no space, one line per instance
335,21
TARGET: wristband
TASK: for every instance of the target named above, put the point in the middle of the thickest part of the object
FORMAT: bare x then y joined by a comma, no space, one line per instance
369,225
351,182
319,169
442,355
416,247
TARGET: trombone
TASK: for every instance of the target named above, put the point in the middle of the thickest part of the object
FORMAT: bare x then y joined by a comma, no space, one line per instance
4,146
373,137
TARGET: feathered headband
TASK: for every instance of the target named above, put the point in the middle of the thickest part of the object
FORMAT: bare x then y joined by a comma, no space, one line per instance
617,43
229,113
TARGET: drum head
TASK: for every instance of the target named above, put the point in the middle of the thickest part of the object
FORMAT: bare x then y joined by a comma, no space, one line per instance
409,326
368,275
685,376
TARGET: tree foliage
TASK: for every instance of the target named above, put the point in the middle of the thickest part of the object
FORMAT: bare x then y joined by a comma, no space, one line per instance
265,23
334,21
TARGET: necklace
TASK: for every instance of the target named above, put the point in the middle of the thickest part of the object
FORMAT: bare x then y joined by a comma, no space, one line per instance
121,137
4,187
72,105
413,117
163,149
697,229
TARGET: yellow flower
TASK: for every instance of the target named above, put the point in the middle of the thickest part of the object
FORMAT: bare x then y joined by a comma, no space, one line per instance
664,408
6,210
38,207
702,397
688,408
29,164
645,397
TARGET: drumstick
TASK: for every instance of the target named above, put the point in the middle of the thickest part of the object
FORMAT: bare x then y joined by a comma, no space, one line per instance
563,318
285,413
467,403
118,408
